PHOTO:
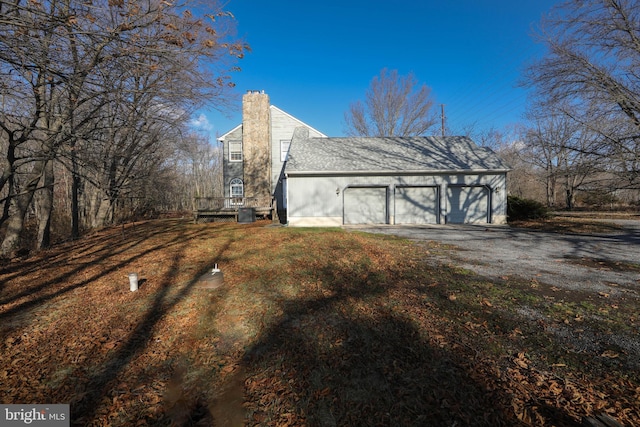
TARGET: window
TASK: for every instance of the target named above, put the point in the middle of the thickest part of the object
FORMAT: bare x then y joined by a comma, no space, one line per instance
236,188
235,151
284,149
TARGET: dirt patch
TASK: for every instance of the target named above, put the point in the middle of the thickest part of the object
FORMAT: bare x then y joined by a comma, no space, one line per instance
602,263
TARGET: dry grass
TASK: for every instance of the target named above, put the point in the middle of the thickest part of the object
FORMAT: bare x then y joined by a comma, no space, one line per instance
575,225
312,327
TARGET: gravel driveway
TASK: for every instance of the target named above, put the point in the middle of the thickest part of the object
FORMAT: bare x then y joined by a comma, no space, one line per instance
570,261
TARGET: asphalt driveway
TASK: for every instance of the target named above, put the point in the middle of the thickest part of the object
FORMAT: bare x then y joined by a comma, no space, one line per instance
595,262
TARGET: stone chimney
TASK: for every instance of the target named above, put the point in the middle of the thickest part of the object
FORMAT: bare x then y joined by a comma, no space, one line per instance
256,144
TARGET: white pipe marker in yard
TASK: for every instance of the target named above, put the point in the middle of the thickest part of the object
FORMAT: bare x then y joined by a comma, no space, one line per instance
133,282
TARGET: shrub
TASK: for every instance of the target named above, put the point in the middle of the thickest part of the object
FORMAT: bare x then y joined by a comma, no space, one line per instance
523,209
598,199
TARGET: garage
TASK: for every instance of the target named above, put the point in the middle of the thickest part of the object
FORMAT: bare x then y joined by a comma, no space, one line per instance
468,204
416,205
365,205
393,180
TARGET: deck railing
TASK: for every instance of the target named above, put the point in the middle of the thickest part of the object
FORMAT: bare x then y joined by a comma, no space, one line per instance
215,204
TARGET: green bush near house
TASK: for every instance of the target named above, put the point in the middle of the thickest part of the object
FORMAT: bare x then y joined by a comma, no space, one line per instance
519,209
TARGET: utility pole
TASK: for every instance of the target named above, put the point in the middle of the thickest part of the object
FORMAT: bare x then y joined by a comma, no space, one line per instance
442,116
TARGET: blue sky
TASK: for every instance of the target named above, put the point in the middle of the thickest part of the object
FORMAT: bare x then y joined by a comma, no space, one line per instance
314,59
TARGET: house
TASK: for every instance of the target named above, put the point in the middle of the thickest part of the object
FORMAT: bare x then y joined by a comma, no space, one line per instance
315,180
254,154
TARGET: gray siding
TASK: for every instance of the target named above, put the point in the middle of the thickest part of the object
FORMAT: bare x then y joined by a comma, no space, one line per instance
319,199
231,170
282,127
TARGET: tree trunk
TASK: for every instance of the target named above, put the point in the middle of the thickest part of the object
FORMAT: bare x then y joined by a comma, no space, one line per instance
75,208
7,178
21,202
551,190
44,201
570,199
104,214
569,191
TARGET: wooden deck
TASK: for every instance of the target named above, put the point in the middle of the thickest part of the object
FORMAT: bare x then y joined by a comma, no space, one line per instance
227,208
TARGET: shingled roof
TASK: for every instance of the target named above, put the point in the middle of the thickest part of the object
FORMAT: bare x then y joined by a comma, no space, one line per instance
391,155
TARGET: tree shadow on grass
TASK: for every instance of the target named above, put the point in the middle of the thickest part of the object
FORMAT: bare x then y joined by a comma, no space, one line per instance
347,358
343,352
91,383
164,300
22,300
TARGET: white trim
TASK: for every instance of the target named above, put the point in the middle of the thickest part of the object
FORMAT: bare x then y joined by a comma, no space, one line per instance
236,141
238,183
283,153
398,172
221,138
314,221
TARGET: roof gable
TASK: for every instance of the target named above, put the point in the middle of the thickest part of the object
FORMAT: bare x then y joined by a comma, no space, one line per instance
298,122
226,134
272,109
391,154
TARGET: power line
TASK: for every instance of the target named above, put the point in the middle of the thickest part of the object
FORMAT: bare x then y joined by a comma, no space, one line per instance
488,97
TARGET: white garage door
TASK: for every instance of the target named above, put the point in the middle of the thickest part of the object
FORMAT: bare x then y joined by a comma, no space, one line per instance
416,205
468,204
365,205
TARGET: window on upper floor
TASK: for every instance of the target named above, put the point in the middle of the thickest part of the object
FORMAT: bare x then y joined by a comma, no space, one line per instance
284,149
235,151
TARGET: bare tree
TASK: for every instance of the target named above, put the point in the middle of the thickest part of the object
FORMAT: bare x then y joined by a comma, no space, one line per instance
567,153
394,106
591,70
201,166
65,63
522,179
508,143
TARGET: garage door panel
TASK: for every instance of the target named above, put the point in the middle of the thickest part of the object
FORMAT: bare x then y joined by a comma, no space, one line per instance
416,205
366,205
467,205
